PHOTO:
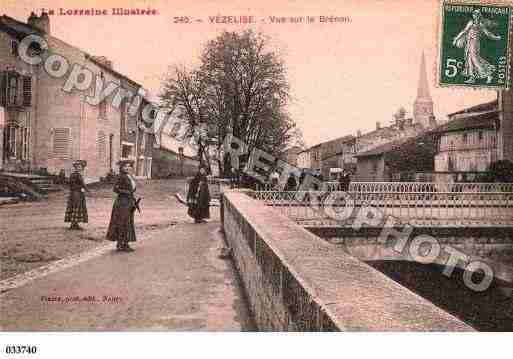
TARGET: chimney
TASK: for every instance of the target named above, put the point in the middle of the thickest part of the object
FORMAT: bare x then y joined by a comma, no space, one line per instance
378,125
42,22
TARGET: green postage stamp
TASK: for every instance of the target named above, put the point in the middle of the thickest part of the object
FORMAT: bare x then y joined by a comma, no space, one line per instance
474,45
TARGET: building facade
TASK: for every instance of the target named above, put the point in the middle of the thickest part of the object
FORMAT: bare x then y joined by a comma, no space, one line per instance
468,143
173,158
399,160
47,128
303,159
291,155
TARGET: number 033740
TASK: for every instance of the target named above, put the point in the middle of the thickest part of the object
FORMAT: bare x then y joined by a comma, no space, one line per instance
20,349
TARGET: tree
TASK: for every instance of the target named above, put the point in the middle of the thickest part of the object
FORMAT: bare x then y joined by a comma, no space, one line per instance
239,87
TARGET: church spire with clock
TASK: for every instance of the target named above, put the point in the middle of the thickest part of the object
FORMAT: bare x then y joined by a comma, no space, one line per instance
423,105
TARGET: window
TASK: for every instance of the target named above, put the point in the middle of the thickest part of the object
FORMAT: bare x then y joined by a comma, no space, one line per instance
24,132
126,151
10,141
480,136
102,110
465,138
16,90
374,167
12,89
14,48
143,141
27,90
102,106
61,143
101,146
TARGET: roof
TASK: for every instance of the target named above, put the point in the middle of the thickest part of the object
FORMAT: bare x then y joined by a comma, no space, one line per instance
293,149
111,70
17,28
386,147
483,107
343,138
172,144
485,120
20,29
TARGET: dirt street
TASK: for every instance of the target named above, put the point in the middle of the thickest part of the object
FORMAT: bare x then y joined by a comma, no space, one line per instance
173,281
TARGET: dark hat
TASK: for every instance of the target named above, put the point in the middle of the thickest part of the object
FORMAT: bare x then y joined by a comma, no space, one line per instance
121,163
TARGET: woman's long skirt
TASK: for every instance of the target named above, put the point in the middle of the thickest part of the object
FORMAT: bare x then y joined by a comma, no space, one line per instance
121,226
76,210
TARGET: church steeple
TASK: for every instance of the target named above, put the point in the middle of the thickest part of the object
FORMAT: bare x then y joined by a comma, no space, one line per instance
423,106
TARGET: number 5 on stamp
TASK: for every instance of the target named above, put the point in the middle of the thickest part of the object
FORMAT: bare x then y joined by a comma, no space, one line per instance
474,45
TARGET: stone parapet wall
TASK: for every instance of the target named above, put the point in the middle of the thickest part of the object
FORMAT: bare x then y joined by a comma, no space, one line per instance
296,281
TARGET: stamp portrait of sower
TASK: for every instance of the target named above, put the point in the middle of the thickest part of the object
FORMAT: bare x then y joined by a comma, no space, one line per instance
474,45
470,40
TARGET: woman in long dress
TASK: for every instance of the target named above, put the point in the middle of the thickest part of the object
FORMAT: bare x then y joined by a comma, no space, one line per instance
76,209
198,197
121,226
476,67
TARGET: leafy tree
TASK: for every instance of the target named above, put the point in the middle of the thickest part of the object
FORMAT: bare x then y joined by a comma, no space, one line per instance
239,87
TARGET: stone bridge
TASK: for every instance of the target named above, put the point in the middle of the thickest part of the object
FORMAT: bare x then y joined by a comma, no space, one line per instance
491,245
295,280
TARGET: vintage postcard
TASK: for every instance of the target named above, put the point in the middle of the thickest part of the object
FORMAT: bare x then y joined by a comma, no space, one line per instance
238,166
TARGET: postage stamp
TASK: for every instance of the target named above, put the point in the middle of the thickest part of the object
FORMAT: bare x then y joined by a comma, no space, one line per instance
474,45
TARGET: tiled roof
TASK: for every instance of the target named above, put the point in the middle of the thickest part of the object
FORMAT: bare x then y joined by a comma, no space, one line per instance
386,147
483,107
471,121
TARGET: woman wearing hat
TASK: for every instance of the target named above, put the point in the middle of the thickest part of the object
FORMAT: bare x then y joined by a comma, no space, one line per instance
198,197
76,210
121,226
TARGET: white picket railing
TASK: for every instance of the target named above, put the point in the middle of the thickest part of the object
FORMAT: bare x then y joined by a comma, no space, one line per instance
423,187
411,187
415,208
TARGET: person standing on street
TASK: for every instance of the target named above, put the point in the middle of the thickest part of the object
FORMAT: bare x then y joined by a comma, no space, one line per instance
344,181
198,197
291,183
76,209
274,178
121,226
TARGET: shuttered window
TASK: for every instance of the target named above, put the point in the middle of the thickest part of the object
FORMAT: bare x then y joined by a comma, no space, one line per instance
61,143
15,89
101,145
12,89
3,89
27,91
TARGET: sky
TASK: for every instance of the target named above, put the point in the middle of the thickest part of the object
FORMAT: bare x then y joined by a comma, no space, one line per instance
344,76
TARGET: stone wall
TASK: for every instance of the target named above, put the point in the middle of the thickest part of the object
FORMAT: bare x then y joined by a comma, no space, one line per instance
296,281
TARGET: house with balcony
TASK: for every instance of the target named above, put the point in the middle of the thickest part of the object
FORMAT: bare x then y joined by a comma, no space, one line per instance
468,143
